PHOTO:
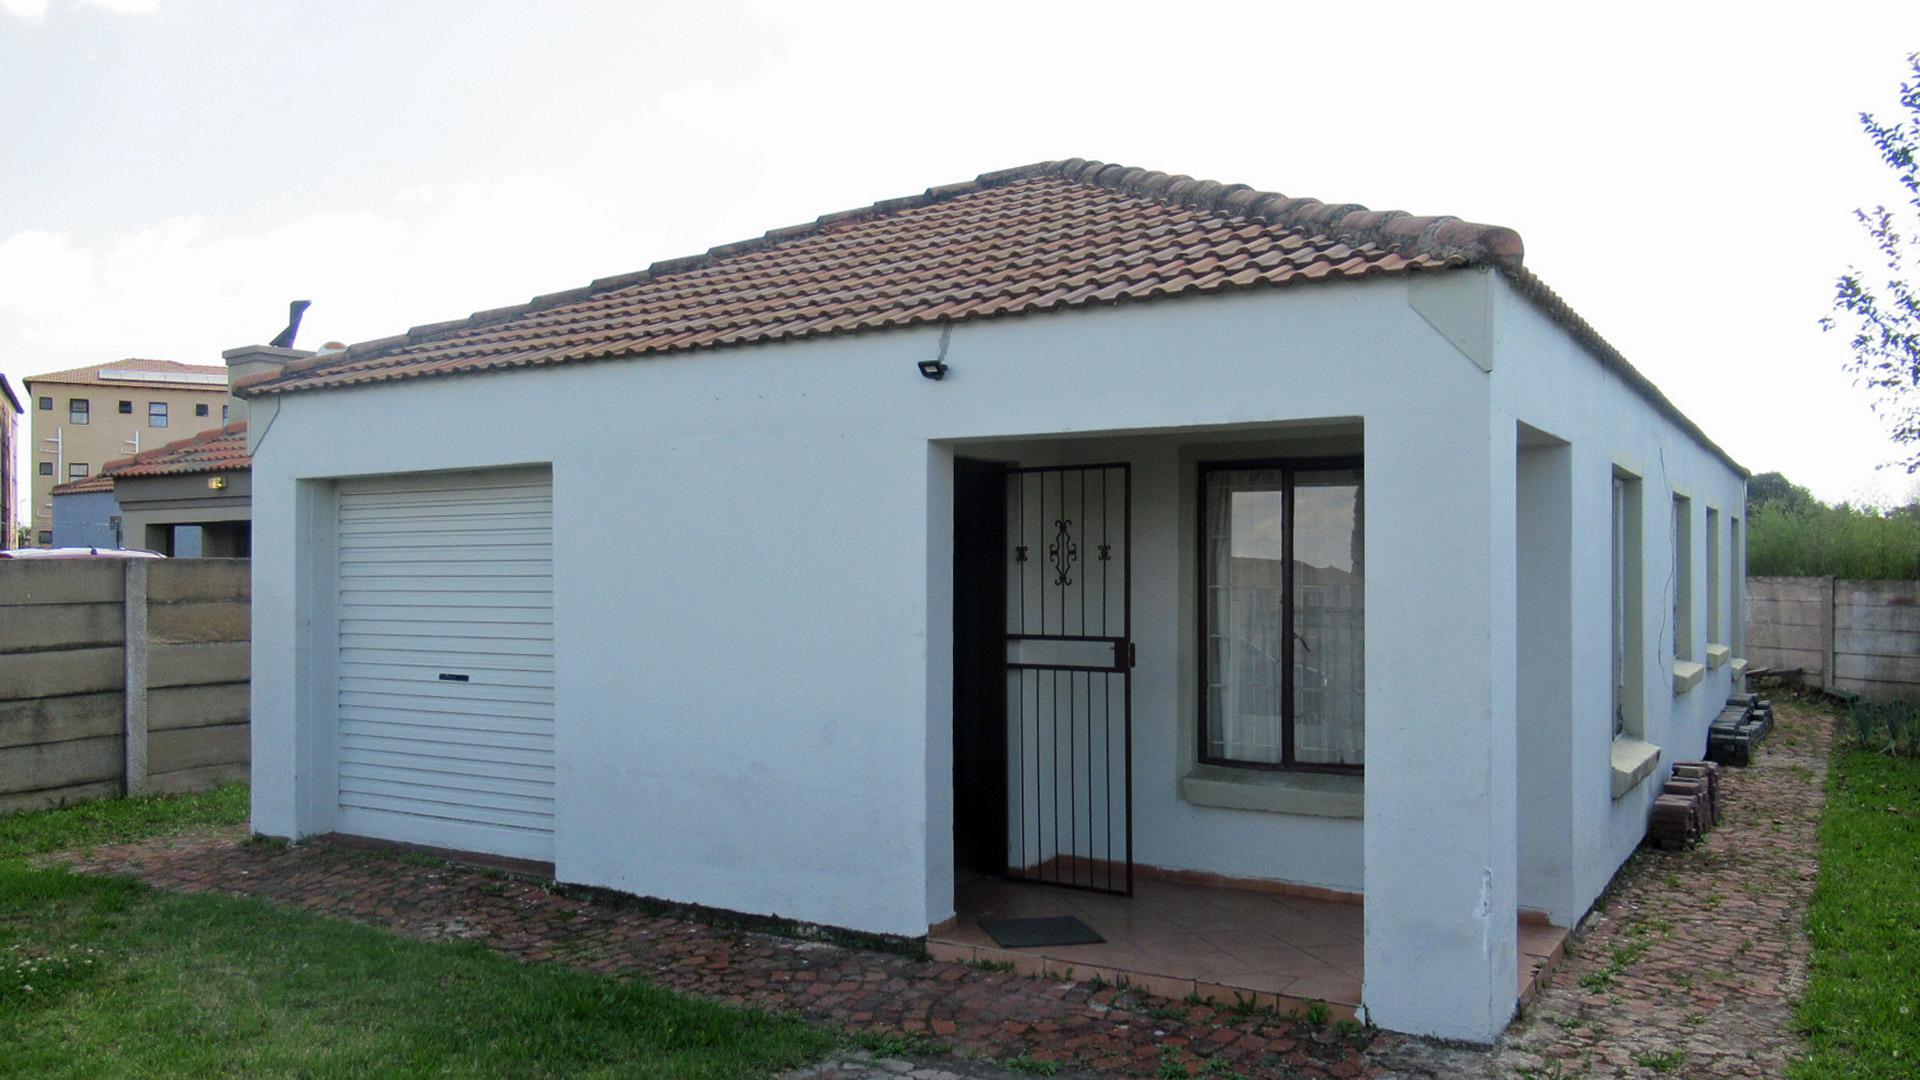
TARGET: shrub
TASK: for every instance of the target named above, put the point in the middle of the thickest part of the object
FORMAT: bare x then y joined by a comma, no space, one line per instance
1891,727
1784,540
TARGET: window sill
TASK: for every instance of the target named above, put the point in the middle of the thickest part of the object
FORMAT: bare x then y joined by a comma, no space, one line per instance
1633,761
1687,675
1307,793
1718,655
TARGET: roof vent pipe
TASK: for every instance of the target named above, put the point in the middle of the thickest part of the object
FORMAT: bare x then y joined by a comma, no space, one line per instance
294,310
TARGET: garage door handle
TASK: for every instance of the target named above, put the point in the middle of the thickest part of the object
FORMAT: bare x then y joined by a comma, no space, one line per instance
448,676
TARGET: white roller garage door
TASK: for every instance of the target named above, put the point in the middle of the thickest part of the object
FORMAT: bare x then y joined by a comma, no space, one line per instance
446,660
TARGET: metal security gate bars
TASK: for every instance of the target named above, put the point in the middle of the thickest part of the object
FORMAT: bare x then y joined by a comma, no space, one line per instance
1069,676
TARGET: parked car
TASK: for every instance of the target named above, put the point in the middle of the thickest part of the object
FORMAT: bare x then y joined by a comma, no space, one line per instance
80,553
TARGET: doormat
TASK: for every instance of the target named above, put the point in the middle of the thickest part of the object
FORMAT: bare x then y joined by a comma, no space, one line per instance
1033,933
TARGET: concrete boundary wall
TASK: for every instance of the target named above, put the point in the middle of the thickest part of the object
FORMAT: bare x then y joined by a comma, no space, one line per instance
121,676
1859,636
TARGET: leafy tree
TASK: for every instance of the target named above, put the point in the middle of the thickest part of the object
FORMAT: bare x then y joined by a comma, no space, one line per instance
1774,489
1790,533
1884,318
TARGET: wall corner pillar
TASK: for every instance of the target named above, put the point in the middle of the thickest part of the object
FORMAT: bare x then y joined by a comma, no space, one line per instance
1440,844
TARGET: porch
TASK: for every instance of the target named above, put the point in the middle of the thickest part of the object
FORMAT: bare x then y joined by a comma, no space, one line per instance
1175,939
1166,651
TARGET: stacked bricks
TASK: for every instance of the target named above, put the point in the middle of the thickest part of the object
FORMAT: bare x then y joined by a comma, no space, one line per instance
1687,806
1739,728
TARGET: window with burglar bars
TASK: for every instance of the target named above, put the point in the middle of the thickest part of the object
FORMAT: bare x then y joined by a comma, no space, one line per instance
1283,588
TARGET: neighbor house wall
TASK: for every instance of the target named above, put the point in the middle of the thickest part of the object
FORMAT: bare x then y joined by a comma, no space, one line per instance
83,716
90,519
201,518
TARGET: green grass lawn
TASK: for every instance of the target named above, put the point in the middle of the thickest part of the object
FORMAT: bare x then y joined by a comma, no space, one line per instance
1861,1011
101,977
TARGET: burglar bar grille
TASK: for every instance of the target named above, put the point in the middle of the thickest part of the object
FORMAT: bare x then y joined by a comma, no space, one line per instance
1069,676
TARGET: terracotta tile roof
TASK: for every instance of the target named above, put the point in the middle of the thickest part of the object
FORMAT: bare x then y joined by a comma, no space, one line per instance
222,449
1032,239
1037,238
91,374
89,486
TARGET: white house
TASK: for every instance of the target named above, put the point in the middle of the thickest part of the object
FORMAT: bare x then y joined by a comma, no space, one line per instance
1075,523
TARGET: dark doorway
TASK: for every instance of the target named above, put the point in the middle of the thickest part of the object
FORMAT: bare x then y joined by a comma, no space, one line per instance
1043,657
979,667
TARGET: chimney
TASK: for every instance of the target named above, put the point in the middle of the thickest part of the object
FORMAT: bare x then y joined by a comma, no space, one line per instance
248,361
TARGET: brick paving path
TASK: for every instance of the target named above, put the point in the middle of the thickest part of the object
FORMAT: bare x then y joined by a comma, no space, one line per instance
1688,969
1691,964
979,1014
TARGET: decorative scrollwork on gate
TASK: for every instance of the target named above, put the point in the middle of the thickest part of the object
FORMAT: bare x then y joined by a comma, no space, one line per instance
1063,551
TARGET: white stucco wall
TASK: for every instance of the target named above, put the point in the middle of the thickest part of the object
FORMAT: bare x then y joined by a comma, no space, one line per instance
753,621
1543,378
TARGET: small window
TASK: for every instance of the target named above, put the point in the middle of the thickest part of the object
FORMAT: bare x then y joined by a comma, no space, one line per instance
46,538
156,414
77,470
200,409
1716,620
126,408
1736,588
1682,578
223,414
46,404
1627,596
46,468
1282,581
78,410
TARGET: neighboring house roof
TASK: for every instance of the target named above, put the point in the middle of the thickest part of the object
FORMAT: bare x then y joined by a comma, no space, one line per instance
136,372
89,486
222,449
6,390
1037,238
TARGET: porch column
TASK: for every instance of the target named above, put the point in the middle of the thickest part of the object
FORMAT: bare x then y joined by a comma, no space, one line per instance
1440,861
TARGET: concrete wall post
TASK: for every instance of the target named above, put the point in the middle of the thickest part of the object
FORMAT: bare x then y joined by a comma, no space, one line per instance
135,776
1827,632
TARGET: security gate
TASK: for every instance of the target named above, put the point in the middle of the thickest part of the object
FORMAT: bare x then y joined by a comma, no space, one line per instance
1069,676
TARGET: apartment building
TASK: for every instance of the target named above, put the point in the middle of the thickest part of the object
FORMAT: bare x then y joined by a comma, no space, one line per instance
85,417
10,410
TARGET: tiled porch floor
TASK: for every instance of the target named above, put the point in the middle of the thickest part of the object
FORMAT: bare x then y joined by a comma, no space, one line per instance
1174,939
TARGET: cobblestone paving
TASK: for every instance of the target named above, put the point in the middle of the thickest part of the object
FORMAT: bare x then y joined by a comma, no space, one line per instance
975,1014
1688,969
862,1065
1691,965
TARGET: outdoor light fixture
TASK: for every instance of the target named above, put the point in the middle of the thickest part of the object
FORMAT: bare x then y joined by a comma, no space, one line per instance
936,368
217,483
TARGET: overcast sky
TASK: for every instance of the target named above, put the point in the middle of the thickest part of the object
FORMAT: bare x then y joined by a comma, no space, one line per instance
172,172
